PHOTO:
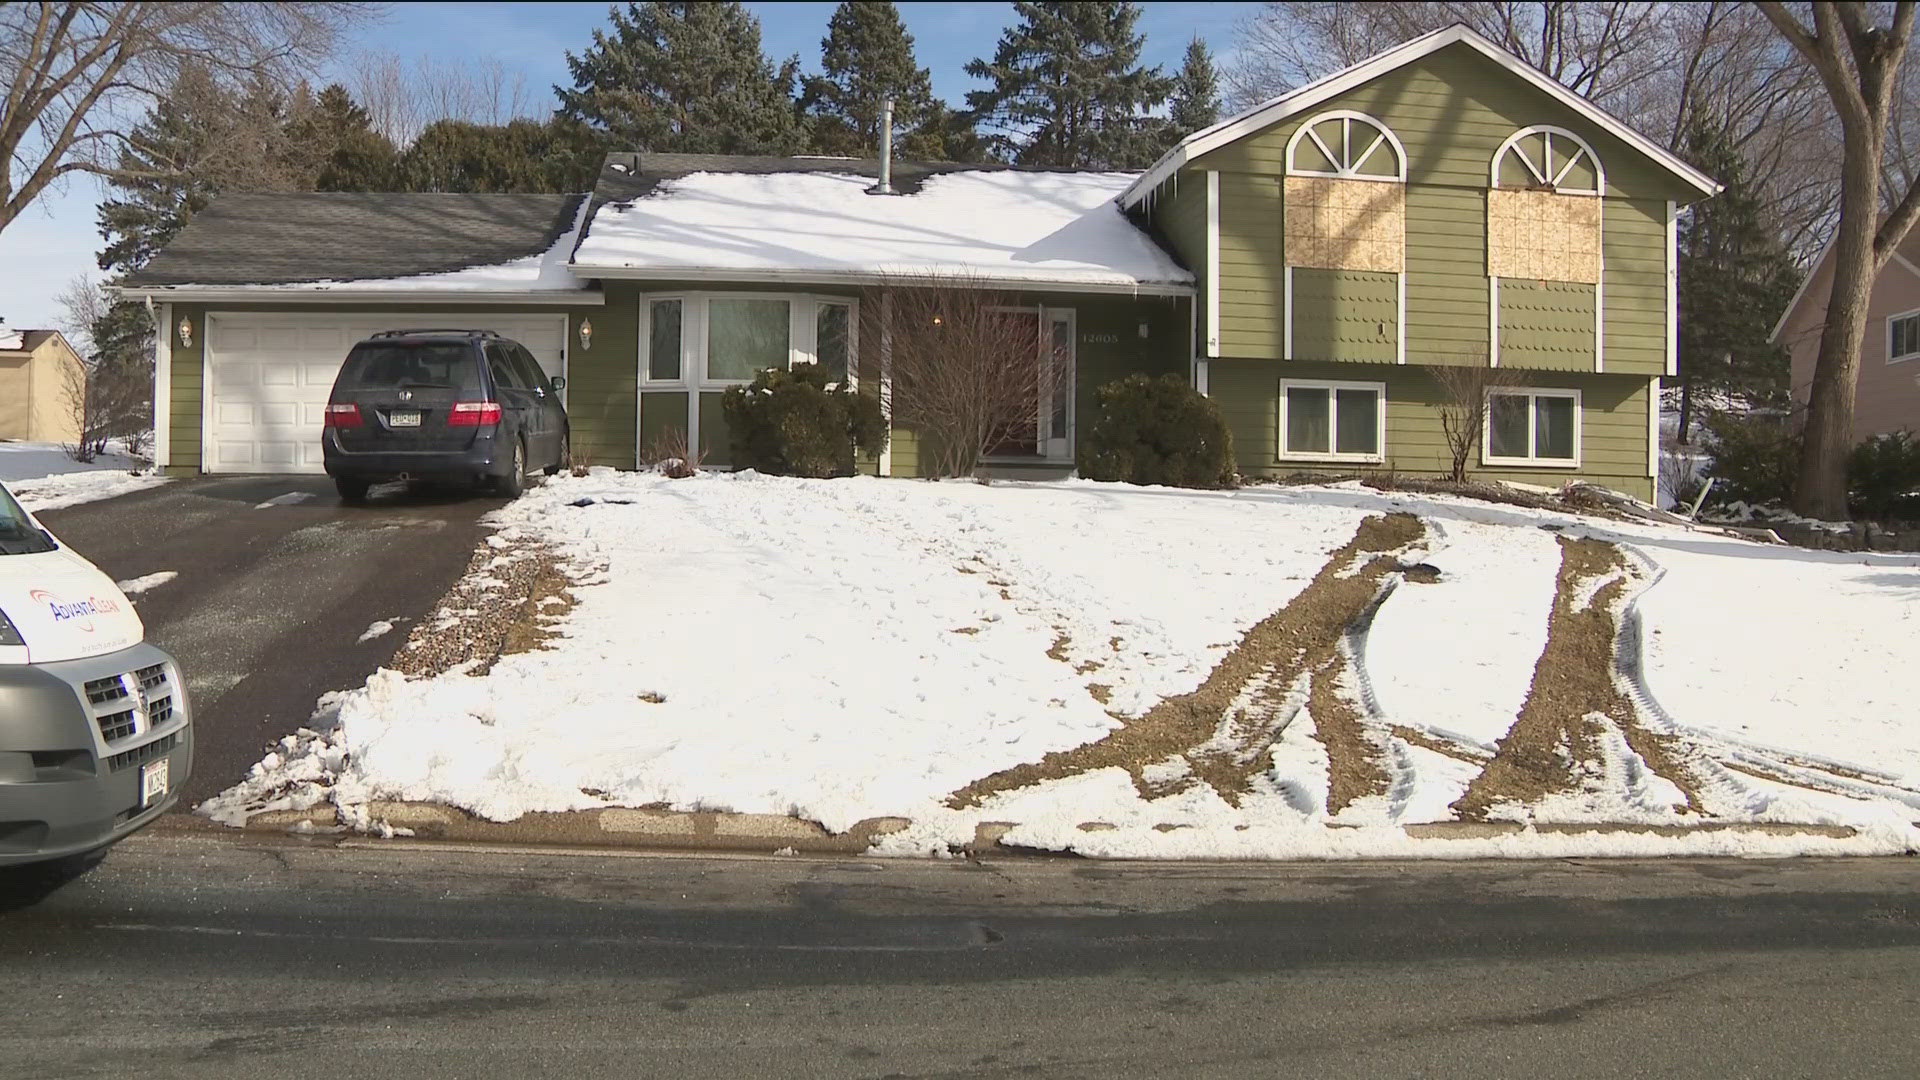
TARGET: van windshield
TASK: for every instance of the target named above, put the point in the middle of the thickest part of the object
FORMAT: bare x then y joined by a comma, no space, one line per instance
18,534
383,366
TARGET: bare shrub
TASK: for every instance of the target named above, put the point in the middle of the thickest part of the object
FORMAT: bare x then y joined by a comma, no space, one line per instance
671,455
1464,392
966,367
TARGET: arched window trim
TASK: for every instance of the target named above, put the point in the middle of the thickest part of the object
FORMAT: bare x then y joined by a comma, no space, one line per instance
1348,170
1551,132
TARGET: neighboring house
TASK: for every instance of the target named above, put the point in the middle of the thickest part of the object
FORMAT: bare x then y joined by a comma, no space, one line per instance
1887,395
39,376
1442,203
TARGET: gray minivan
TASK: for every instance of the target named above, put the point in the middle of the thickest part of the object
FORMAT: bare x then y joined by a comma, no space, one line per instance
448,406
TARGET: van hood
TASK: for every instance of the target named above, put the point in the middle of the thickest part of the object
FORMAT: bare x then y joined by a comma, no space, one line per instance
65,608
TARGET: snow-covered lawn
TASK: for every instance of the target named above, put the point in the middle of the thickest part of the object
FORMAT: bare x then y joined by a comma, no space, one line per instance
44,477
850,649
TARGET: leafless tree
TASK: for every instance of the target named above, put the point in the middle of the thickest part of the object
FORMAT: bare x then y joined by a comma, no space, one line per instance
1859,63
1465,396
966,368
1596,49
402,98
105,400
76,77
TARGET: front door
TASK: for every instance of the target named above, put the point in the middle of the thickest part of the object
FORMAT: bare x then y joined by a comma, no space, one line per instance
1045,426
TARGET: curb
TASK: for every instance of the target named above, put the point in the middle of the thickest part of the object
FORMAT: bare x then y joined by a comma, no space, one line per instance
619,827
612,827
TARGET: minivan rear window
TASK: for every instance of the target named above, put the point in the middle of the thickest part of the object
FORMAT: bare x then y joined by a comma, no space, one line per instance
455,367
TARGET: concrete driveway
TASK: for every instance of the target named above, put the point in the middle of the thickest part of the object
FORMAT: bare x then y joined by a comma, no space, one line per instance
277,582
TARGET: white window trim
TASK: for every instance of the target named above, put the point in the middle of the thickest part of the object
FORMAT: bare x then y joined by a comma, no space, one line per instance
1487,457
647,381
1891,319
802,335
1549,131
1379,390
1598,191
1344,170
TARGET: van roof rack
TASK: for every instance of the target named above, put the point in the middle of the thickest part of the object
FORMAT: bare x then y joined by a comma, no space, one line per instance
417,331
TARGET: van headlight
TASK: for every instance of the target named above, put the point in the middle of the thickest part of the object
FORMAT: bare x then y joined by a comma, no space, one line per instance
9,635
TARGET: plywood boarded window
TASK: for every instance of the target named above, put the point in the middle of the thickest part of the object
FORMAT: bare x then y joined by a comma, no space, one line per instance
1543,207
1334,224
1543,235
1345,195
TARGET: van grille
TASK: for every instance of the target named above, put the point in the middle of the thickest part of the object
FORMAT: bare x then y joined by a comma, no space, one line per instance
140,755
119,714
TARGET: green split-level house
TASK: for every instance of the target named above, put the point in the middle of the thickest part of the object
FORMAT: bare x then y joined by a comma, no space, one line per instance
1306,263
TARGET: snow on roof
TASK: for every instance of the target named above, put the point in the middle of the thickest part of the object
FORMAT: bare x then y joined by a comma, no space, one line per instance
12,339
1040,229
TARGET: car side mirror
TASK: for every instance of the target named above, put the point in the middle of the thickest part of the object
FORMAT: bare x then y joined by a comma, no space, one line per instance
559,382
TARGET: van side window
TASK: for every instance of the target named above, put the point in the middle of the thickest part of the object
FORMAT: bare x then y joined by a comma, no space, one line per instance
503,373
531,373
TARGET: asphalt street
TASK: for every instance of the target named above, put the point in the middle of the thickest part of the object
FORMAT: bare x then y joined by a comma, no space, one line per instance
200,954
277,583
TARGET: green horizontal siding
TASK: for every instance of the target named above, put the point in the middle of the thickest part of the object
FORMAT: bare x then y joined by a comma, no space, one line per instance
1613,431
1451,110
1546,324
1345,315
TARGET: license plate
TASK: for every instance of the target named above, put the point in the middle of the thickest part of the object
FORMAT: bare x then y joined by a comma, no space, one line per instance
407,418
154,777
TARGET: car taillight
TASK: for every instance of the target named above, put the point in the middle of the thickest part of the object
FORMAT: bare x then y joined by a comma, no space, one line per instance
343,415
473,414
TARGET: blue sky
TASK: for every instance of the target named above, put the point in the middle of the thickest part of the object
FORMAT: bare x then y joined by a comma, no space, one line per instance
55,240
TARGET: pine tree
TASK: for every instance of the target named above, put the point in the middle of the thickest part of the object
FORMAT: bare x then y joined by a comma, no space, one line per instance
1735,277
944,134
340,149
166,183
1068,89
1195,101
555,157
866,58
687,78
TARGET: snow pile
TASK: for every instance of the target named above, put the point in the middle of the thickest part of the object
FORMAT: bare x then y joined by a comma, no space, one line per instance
43,477
136,586
850,649
1003,225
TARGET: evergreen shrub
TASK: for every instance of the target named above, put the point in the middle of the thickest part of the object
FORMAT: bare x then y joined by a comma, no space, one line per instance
1157,431
796,422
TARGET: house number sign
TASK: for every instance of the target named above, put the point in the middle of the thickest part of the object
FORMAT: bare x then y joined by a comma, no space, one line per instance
1099,339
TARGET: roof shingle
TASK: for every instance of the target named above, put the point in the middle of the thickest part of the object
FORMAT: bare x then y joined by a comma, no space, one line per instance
284,238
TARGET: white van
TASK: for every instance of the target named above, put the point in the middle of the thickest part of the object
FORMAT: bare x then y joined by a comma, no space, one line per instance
95,732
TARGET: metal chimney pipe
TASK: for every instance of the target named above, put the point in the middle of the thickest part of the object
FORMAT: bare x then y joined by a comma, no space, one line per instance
885,186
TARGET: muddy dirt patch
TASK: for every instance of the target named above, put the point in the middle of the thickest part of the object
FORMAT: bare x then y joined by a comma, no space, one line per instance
1556,741
1222,731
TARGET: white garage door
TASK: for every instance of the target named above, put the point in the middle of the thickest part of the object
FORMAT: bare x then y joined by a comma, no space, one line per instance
269,376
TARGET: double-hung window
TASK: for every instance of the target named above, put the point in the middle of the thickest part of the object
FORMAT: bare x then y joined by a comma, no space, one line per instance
1903,337
1533,427
1333,421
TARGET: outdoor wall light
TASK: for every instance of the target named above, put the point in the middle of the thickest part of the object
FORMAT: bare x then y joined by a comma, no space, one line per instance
936,320
1143,330
586,334
186,332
